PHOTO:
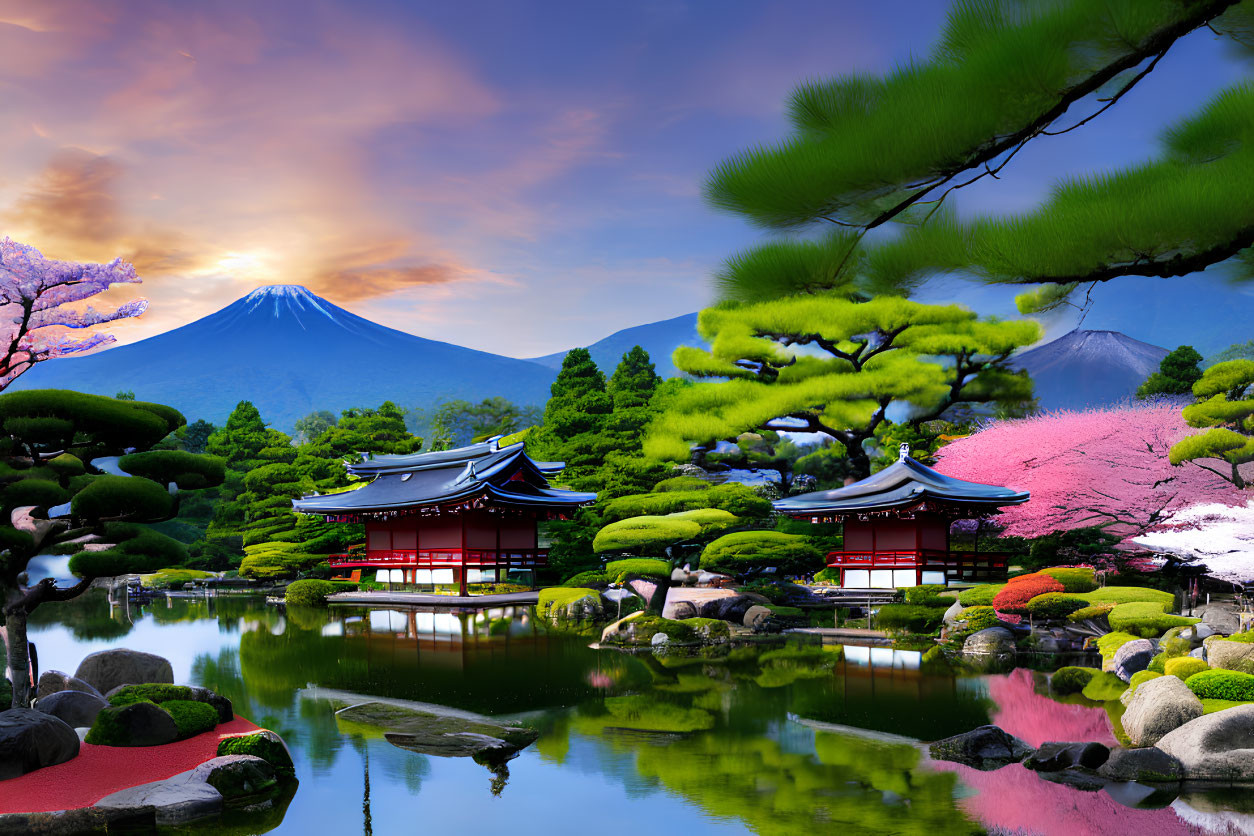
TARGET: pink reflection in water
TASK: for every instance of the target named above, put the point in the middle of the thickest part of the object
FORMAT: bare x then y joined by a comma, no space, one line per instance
1037,719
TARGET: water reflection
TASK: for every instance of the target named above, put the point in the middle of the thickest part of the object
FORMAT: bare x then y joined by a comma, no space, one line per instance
773,739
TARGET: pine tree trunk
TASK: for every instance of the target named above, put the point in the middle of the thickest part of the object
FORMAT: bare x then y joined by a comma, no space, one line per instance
19,657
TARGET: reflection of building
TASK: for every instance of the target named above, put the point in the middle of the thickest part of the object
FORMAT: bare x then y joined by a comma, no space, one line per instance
450,517
896,526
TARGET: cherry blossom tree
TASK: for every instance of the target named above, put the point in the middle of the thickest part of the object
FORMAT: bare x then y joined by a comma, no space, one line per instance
1106,468
36,299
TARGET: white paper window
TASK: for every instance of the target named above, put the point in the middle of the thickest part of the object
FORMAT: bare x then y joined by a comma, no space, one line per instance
904,577
441,575
422,576
934,577
881,578
857,579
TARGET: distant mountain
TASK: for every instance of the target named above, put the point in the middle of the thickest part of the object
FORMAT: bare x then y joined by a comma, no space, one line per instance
1089,368
291,352
660,339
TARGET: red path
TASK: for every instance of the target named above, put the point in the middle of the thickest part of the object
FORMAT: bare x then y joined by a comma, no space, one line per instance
101,770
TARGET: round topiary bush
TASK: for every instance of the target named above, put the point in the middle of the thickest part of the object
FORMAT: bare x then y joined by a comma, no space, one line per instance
1071,679
978,618
192,718
980,596
1185,666
1014,596
645,567
1222,685
1094,611
746,552
1073,578
1054,605
309,593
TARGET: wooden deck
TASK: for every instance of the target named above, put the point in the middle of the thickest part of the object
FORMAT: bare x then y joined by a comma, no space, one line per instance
422,599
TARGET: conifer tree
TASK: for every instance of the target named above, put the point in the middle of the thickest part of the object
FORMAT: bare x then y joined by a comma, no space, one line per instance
574,419
1177,372
1228,412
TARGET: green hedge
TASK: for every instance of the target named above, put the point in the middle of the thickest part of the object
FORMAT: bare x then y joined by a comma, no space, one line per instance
1247,637
1091,611
589,580
743,552
1128,595
978,618
909,618
309,593
1071,679
1222,685
1147,619
1054,605
928,595
647,532
191,717
1073,579
1185,666
980,596
645,567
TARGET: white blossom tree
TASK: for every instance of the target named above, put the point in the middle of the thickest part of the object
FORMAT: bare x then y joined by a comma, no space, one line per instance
36,306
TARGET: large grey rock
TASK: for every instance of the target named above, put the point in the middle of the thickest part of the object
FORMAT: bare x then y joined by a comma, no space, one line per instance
76,708
1215,747
235,775
50,682
951,614
31,740
681,610
107,669
443,734
1054,756
1133,657
987,747
141,724
730,608
1231,656
1157,707
172,801
60,823
992,641
1149,765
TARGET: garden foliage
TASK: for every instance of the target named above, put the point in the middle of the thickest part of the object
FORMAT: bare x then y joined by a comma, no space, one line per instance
745,553
1071,679
1222,685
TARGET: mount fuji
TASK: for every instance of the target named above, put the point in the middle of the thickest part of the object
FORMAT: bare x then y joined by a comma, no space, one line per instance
1083,369
291,352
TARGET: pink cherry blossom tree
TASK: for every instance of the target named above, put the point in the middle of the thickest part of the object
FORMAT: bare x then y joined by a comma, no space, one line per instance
1105,467
37,306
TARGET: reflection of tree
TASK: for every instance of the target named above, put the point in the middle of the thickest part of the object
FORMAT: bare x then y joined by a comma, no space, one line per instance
88,618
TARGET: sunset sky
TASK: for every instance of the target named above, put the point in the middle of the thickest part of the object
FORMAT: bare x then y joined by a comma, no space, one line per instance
515,176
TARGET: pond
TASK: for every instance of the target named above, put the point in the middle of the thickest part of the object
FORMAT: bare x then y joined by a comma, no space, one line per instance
783,738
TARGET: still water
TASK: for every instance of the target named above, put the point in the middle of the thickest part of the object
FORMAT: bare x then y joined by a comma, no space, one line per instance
788,738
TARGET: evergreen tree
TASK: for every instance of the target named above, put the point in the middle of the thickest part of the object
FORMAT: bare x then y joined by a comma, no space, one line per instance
631,388
574,421
1228,412
313,425
871,151
1176,374
861,358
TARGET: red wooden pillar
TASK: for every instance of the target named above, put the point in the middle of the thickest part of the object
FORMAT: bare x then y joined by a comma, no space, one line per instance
462,578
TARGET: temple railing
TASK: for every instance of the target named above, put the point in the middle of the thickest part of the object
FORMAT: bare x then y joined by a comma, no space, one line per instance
440,558
955,565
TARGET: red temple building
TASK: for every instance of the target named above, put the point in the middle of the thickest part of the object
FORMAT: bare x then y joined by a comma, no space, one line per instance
453,517
896,526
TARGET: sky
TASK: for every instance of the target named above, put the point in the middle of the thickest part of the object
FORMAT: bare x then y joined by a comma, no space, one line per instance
519,177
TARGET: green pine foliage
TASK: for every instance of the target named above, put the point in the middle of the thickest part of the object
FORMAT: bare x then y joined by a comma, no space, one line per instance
939,358
1226,408
745,553
1177,372
574,420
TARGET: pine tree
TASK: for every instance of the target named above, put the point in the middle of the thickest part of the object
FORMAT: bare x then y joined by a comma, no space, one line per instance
574,420
1176,374
1228,412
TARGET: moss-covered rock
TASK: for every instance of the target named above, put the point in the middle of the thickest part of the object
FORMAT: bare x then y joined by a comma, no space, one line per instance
1183,667
263,744
192,718
1071,679
1104,686
160,693
570,602
1148,619
142,723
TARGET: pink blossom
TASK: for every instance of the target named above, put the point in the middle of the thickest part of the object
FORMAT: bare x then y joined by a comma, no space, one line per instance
1104,467
34,295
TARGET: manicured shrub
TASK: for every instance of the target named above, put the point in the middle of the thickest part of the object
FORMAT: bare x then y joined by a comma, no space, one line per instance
1092,611
1127,595
1222,685
1145,618
1071,679
559,597
1247,637
1073,578
732,496
928,595
189,471
745,552
191,717
174,578
309,593
261,744
978,618
122,497
645,567
827,576
1104,686
681,483
980,596
1185,666
590,580
1014,596
645,533
909,618
1054,605
273,560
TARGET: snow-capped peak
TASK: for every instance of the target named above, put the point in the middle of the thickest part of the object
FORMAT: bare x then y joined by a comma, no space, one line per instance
292,297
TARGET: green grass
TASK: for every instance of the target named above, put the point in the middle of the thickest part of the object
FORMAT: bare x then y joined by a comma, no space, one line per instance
1146,618
562,596
980,596
1127,595
1211,706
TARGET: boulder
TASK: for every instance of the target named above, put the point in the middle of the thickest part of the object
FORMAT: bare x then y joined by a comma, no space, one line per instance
992,641
1198,632
76,708
1053,756
1215,747
1231,656
730,608
757,618
1157,707
220,704
172,801
107,669
681,609
1198,653
987,747
235,775
138,724
1133,657
31,740
263,744
449,735
660,640
951,614
1149,765
51,682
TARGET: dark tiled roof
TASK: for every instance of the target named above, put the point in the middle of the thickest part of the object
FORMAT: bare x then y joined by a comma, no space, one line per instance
900,485
506,476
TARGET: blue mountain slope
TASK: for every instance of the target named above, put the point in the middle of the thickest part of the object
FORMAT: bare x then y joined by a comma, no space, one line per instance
1084,369
660,339
291,352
